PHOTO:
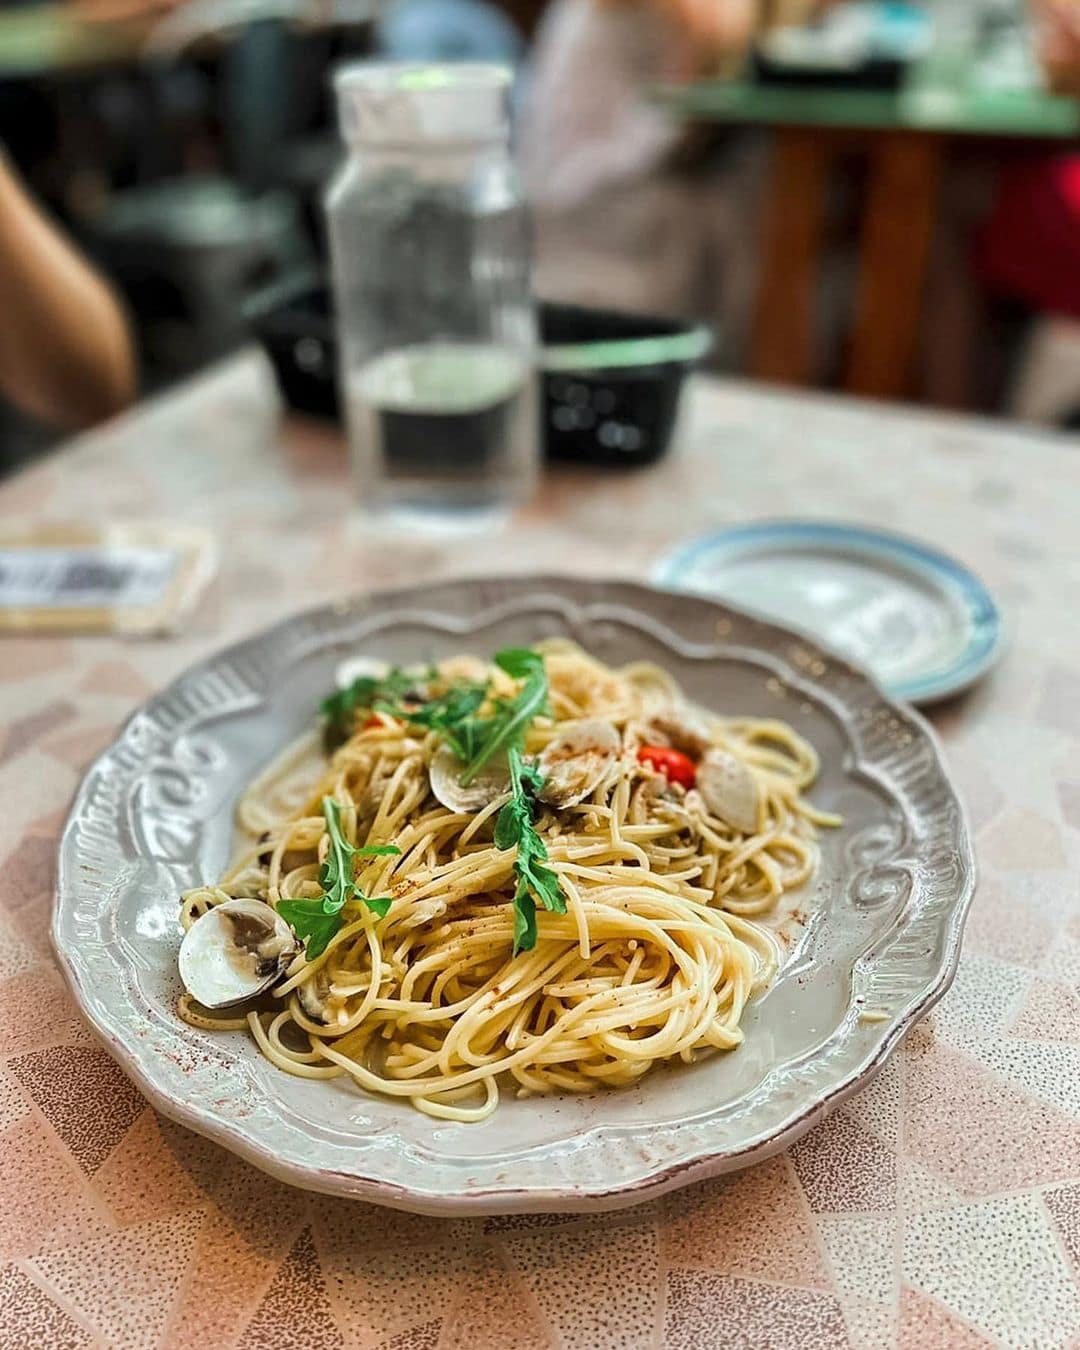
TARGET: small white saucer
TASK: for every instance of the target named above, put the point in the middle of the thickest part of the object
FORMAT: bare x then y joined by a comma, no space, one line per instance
920,622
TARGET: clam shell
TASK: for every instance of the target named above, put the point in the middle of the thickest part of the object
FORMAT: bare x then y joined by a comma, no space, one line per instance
685,728
729,790
575,762
358,666
235,951
491,782
312,994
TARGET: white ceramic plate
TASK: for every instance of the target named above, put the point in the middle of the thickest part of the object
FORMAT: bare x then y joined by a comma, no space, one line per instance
920,621
153,817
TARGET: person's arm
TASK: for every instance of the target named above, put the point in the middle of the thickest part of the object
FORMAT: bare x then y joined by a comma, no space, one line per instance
66,355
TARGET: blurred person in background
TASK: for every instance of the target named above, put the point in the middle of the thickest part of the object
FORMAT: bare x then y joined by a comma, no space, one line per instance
618,221
66,356
633,210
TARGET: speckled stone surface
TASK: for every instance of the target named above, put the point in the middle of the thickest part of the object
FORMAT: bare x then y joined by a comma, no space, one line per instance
938,1208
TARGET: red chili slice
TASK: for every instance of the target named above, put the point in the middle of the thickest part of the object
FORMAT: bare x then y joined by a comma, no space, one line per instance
673,764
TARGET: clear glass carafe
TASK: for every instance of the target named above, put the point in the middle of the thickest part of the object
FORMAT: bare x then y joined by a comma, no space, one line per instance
430,252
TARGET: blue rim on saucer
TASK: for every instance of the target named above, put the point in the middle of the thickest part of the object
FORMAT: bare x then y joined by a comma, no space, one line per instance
941,585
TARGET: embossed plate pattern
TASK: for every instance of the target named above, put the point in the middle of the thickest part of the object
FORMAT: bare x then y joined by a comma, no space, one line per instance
153,816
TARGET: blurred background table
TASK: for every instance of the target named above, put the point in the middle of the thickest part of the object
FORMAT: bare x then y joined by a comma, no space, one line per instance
186,147
935,1209
56,38
908,138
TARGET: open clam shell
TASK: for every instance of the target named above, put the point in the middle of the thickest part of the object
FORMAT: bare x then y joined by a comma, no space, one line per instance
576,761
359,667
234,952
445,772
729,790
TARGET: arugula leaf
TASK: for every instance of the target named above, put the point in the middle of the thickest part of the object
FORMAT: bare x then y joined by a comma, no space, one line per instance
524,922
452,714
506,728
316,921
340,708
519,662
515,828
311,923
531,776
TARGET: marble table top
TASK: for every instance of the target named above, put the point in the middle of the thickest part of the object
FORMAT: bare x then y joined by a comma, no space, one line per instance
938,1208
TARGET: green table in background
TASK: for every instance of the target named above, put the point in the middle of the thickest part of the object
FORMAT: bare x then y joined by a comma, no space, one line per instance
40,40
907,138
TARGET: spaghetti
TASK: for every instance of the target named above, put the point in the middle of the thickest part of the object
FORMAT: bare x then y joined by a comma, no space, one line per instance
654,958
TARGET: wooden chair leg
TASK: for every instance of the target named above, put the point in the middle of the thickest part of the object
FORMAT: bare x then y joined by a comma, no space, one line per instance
898,225
782,343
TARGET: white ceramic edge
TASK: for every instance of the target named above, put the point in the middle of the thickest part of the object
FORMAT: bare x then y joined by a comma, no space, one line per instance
966,675
967,670
533,1199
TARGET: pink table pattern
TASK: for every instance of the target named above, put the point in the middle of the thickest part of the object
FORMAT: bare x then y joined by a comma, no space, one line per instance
938,1208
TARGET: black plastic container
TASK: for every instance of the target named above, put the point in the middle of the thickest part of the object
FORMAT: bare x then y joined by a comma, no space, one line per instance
611,385
612,382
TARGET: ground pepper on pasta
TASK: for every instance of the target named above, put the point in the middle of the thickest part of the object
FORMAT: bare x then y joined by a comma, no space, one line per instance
655,957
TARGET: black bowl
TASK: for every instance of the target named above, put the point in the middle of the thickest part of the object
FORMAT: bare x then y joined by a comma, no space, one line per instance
611,381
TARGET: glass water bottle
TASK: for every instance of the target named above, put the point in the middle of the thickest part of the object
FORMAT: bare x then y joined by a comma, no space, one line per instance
436,325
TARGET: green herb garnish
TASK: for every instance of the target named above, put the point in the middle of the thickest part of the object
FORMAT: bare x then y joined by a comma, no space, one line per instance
515,827
474,740
452,714
316,921
507,726
340,708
